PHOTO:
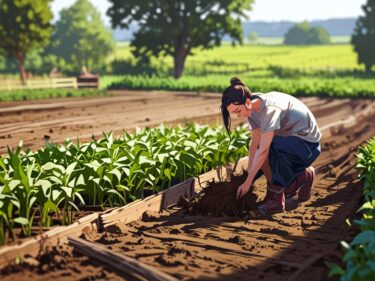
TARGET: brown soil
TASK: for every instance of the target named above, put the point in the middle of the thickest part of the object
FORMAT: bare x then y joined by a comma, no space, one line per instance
298,242
60,264
85,117
230,248
219,199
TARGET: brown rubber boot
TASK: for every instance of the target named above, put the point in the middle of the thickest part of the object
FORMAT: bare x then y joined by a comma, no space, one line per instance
275,202
304,193
268,193
302,185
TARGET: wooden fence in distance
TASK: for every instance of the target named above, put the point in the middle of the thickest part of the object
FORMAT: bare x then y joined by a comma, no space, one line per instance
50,83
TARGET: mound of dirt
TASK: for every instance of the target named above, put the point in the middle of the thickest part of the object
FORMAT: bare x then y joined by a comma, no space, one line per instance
219,199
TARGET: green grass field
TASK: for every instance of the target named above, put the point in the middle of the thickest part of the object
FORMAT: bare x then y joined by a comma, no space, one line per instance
329,70
256,56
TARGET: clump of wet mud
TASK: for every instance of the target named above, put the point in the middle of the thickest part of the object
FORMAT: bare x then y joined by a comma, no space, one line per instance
219,199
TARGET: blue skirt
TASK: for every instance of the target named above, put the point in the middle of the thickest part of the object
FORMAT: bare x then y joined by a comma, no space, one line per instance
288,157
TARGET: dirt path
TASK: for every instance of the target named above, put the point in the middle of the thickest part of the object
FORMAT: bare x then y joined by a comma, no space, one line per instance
295,244
225,248
125,110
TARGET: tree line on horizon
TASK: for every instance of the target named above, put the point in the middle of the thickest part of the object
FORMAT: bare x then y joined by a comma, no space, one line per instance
166,28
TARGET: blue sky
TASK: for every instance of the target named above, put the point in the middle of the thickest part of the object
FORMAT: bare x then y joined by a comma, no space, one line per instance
270,10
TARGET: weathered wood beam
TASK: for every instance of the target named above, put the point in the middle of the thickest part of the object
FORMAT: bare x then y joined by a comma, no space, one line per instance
123,264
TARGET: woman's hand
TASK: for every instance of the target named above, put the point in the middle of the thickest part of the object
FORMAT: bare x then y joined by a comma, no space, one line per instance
244,188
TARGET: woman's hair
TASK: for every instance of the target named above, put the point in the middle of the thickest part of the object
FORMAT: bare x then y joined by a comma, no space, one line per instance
236,93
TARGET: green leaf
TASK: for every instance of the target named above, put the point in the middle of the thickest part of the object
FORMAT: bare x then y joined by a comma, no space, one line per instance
46,186
70,168
51,166
116,173
68,191
55,194
364,237
80,180
80,198
336,270
21,220
167,173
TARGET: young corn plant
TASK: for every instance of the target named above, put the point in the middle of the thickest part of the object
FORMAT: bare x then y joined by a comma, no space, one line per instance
58,179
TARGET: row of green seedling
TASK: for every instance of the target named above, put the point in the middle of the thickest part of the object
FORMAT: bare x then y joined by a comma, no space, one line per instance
59,179
359,257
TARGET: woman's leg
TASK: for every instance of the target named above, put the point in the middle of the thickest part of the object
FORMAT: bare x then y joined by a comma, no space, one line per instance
288,157
266,169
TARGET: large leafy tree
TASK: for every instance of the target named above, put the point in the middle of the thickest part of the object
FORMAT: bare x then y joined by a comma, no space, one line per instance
25,25
317,35
81,38
297,34
303,34
363,37
175,27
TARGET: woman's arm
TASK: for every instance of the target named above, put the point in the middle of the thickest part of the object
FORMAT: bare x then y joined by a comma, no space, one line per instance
255,140
261,154
260,157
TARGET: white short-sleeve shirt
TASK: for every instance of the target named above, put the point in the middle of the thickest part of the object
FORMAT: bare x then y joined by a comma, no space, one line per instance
285,115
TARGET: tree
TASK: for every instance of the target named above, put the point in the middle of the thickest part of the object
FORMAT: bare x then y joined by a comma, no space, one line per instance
175,28
253,37
81,38
303,34
297,34
317,36
24,26
363,37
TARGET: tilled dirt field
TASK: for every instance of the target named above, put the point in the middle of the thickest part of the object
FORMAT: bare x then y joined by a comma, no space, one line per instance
125,110
294,245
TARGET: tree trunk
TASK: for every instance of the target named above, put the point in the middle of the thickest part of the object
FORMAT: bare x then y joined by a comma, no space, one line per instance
179,64
21,67
368,68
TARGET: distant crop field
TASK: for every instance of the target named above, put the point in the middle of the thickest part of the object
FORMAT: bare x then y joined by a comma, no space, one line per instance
257,57
329,70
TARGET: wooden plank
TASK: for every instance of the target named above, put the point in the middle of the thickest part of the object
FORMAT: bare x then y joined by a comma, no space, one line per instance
57,235
154,203
70,82
126,214
64,80
121,263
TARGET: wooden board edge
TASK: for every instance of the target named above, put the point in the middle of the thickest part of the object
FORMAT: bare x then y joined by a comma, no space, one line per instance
125,214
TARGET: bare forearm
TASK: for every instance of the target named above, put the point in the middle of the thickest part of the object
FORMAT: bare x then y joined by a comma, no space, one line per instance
259,159
252,150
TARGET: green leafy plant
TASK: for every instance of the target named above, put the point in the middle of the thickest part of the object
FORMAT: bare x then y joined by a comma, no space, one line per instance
359,255
58,180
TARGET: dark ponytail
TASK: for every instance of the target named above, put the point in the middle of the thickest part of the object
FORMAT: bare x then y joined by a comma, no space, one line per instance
236,93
